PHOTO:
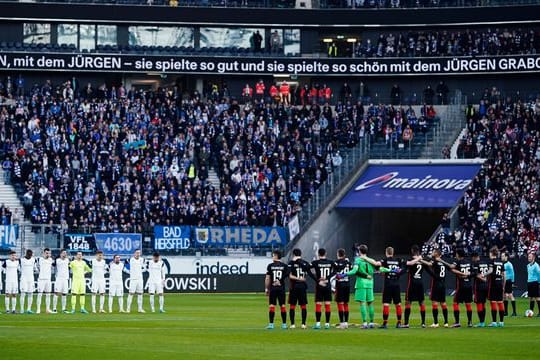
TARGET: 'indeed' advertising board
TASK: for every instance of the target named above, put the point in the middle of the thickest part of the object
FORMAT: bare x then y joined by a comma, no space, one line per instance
410,186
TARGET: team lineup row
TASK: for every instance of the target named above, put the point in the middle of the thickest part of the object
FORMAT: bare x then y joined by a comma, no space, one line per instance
20,275
478,280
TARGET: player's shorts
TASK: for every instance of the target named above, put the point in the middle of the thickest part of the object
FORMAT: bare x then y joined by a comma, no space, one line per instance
61,286
44,286
438,292
298,297
343,293
415,292
78,287
463,295
276,295
136,286
27,286
508,287
480,296
323,294
391,294
12,287
98,286
116,289
495,292
532,289
155,287
364,295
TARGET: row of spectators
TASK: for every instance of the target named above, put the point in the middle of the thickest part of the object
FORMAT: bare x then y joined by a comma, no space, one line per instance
501,207
451,43
125,159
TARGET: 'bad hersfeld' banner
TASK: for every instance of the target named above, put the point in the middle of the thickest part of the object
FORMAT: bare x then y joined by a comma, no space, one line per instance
269,66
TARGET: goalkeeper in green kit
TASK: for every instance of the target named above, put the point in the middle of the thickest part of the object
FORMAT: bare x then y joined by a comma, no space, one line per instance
364,270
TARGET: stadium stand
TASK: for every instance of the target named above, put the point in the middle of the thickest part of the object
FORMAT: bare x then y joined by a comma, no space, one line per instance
501,207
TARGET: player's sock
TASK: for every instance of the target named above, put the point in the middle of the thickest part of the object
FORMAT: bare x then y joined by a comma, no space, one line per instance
505,302
494,311
327,312
139,302
271,312
399,312
435,312
73,302
129,300
161,301
54,301
538,303
513,306
23,295
456,313
101,302
346,312
14,303
111,299
501,312
38,302
283,313
6,300
152,303
340,312
292,313
82,300
479,311
64,302
363,312
30,300
407,313
423,313
48,302
93,301
371,309
304,314
318,308
469,313
385,313
121,303
531,305
445,313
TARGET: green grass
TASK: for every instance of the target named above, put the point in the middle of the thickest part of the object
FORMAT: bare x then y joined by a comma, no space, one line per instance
231,326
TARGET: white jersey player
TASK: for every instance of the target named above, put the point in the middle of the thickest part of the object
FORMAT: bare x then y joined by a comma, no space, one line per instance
116,283
136,266
12,268
156,281
99,268
44,265
28,267
61,283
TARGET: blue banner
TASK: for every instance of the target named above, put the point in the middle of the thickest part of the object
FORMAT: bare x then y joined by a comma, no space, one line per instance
79,242
172,237
240,235
9,234
410,186
118,243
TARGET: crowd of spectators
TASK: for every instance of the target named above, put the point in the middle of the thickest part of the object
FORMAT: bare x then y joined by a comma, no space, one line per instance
120,159
451,43
501,207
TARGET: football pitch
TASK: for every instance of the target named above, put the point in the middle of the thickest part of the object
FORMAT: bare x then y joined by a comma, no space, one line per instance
232,326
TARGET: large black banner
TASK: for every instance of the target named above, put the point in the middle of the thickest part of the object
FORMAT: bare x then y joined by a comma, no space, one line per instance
269,66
